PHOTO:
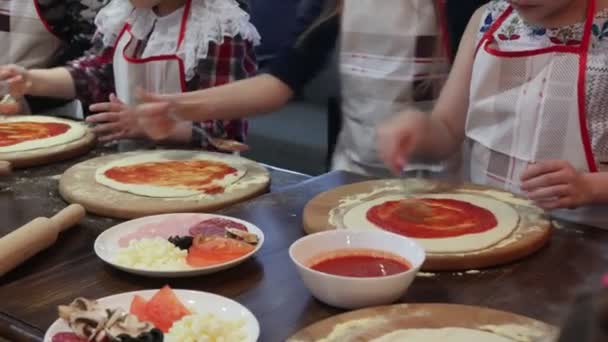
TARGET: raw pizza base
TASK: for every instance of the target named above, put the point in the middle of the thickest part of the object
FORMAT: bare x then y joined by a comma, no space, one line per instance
164,191
76,131
506,215
441,335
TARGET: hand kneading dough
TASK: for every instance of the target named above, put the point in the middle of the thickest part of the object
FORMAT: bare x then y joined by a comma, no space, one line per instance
166,191
441,335
507,218
76,131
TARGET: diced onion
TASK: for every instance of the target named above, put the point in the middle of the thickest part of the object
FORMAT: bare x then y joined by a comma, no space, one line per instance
155,254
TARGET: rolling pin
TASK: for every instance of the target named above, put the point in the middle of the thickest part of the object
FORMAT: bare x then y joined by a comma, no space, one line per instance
5,168
36,236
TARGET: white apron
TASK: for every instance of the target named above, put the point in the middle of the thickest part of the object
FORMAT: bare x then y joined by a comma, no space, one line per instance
527,106
24,36
380,64
161,74
25,39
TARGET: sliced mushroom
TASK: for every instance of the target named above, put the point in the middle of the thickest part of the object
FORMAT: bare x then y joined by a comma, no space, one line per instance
247,237
90,321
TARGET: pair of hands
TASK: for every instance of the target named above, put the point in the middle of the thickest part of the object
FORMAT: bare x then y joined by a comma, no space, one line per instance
115,120
552,184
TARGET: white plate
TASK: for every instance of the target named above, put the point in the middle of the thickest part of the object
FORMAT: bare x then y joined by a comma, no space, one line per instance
202,302
108,243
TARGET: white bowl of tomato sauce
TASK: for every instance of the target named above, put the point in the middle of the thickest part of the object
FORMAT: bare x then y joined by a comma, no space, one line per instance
352,269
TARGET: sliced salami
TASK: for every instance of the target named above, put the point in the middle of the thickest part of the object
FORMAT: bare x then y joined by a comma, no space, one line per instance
215,227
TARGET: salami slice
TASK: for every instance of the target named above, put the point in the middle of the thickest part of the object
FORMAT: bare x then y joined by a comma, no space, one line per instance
67,337
215,227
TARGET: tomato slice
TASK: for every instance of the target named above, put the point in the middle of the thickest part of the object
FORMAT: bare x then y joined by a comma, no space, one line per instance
164,309
213,250
138,308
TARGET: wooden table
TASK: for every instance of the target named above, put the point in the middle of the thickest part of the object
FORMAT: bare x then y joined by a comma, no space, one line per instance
541,287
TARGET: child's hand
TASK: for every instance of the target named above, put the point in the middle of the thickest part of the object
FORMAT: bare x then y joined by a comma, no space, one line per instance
556,184
9,106
154,116
116,121
397,138
17,78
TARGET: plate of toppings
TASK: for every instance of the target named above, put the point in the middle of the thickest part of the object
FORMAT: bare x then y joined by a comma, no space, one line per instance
179,245
154,316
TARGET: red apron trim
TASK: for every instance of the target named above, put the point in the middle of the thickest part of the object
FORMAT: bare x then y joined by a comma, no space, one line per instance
440,5
182,28
134,60
529,53
582,88
490,32
39,12
581,50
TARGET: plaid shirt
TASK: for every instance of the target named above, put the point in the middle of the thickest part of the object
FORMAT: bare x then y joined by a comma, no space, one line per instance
232,60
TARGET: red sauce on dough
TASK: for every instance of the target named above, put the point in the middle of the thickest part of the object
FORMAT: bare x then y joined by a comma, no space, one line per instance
449,218
12,133
193,174
360,263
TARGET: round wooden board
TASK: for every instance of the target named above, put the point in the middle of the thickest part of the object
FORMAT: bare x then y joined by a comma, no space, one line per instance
78,185
430,316
531,234
51,154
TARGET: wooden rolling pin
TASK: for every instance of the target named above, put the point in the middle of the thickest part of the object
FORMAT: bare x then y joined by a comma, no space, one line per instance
5,168
36,236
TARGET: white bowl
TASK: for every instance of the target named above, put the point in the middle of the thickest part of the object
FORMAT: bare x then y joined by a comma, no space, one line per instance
353,292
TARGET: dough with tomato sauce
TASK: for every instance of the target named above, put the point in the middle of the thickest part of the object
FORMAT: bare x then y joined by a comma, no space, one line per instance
161,191
506,216
74,132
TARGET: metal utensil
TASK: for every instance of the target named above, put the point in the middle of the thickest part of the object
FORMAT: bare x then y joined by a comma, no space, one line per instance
411,208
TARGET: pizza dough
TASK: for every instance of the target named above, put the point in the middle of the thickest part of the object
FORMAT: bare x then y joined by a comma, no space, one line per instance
75,132
507,218
441,335
166,191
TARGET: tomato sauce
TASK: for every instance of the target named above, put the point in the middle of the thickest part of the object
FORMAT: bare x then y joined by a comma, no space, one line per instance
449,218
193,174
12,133
360,263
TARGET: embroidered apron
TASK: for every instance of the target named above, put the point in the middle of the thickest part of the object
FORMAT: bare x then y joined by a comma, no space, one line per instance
525,107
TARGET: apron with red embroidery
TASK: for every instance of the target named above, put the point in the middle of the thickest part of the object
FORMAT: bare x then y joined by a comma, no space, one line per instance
528,105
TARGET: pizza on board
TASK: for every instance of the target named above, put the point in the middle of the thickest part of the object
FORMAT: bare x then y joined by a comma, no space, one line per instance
29,132
159,175
457,223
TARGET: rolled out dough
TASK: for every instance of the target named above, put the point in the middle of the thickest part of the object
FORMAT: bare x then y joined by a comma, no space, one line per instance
166,191
441,335
76,131
507,217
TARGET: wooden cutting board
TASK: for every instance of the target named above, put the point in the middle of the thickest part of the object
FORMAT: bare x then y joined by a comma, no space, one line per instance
429,316
324,212
78,185
43,156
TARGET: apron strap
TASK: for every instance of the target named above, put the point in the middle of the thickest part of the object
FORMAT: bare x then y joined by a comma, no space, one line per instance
582,86
182,29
